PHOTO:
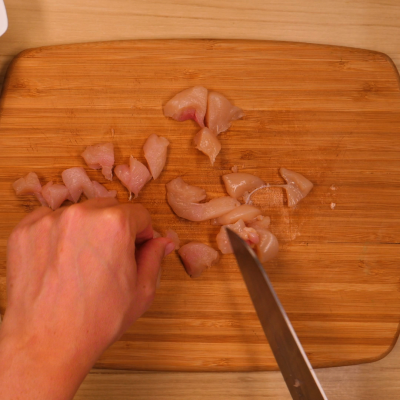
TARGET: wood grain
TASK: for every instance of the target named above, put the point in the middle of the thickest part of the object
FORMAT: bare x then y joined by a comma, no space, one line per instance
330,113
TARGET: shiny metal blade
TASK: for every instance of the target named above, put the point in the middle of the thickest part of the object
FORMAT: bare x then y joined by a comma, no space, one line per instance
296,369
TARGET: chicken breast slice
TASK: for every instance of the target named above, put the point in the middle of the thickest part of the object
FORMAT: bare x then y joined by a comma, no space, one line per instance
100,156
170,234
29,184
189,104
220,113
208,143
54,194
297,186
244,212
248,234
101,191
134,176
180,197
77,181
197,257
155,152
238,183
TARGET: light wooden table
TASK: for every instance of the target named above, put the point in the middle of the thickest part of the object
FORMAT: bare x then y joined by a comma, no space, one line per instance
370,24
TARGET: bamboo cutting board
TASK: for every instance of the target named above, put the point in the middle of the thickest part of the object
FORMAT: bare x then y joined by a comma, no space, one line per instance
330,113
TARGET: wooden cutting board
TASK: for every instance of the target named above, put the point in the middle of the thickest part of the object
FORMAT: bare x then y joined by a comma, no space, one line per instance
330,113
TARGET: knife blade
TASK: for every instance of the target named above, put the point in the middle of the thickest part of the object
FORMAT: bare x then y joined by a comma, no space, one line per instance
295,367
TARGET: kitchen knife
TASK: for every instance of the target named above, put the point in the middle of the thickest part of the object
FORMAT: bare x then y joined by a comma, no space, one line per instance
296,369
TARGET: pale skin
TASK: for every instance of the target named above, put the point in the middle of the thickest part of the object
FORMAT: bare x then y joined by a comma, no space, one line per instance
77,278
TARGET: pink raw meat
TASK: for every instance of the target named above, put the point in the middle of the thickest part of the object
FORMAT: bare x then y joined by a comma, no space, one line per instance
189,104
29,184
197,257
134,176
101,191
221,113
100,156
155,152
77,181
184,201
207,143
54,194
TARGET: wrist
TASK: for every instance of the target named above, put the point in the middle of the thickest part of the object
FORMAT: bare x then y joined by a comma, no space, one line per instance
34,367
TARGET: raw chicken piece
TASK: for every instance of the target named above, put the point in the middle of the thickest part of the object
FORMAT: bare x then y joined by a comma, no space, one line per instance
267,248
101,191
170,234
155,152
185,192
260,222
243,212
248,234
207,143
237,184
30,184
297,186
54,195
184,198
221,113
196,257
134,176
189,104
235,169
156,234
100,156
77,181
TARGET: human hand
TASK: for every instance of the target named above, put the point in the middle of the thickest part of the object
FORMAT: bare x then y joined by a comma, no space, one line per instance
77,278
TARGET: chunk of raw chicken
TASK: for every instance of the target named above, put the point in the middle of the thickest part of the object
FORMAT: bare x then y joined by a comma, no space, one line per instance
248,234
156,234
197,257
184,198
267,248
100,156
77,181
297,186
29,184
189,104
207,143
54,194
134,176
101,191
220,113
170,234
238,183
243,212
155,152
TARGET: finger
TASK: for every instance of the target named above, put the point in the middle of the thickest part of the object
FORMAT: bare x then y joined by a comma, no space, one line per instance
148,259
35,216
139,219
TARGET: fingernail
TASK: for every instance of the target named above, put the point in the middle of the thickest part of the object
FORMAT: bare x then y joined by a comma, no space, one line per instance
169,248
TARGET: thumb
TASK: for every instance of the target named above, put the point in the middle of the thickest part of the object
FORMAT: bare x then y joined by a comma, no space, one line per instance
148,260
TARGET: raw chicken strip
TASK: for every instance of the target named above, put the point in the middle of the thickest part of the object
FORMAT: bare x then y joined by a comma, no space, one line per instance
54,195
155,152
184,198
243,212
189,104
297,186
77,181
156,234
248,234
100,156
267,248
170,234
101,191
207,143
134,176
237,184
197,257
221,113
29,184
